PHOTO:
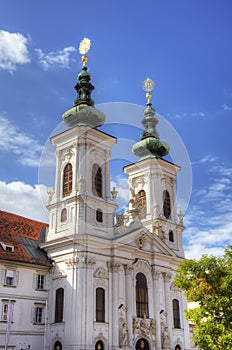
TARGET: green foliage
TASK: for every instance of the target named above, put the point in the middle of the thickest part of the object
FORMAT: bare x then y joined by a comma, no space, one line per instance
208,282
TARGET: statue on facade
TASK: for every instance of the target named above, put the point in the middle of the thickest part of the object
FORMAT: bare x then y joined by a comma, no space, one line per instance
165,338
124,335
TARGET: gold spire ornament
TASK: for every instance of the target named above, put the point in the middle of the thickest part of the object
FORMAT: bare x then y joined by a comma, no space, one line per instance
148,86
84,47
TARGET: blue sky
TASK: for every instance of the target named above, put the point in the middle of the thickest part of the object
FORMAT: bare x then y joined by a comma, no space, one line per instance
184,45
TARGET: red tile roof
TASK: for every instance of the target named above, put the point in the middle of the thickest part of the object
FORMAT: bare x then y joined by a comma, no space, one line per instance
24,235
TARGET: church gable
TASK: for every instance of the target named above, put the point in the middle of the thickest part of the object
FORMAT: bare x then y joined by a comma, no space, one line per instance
144,240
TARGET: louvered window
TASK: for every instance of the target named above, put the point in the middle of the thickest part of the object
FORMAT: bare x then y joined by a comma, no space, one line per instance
67,180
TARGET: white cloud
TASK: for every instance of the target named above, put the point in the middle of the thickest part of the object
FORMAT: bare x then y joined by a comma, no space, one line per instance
121,185
208,158
26,148
59,58
209,219
226,108
13,50
190,114
23,199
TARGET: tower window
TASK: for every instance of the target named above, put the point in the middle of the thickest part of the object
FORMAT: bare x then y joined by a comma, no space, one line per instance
176,313
67,180
100,305
99,216
171,236
166,204
141,296
59,306
141,202
97,180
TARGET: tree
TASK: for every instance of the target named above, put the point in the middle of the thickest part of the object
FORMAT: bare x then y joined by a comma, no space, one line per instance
208,282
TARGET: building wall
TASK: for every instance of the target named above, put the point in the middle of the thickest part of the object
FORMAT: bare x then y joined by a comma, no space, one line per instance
25,297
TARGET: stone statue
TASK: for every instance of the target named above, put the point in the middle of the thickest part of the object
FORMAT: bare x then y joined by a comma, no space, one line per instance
124,335
166,342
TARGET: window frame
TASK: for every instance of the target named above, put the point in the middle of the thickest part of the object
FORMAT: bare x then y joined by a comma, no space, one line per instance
176,313
59,305
100,305
4,313
142,302
97,183
67,180
167,205
10,278
99,215
39,311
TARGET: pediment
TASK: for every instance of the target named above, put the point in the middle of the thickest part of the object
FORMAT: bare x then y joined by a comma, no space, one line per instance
144,240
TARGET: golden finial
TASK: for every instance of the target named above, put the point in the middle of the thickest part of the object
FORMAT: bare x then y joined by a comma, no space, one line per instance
148,86
84,47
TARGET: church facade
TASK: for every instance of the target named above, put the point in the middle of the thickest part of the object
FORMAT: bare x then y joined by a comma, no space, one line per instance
111,280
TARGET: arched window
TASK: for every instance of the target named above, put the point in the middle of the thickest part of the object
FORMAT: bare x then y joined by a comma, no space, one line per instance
141,203
176,313
141,296
171,236
99,216
97,180
57,346
142,344
177,347
166,204
99,345
100,305
59,306
67,180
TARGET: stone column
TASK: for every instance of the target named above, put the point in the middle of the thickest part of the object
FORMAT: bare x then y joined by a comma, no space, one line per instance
156,276
168,305
88,310
113,267
130,300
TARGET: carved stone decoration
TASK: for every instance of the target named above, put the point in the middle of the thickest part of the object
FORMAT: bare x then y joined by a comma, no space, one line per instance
113,266
88,261
123,334
81,185
71,262
68,154
140,241
51,194
167,276
181,217
144,327
122,310
119,220
165,339
101,273
157,229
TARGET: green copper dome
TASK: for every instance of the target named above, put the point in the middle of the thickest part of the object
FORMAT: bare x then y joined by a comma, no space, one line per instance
150,144
83,112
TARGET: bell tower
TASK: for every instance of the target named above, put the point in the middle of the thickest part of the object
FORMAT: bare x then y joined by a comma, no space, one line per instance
152,182
81,203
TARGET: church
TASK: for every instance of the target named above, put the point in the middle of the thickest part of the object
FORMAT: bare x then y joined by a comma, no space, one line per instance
106,278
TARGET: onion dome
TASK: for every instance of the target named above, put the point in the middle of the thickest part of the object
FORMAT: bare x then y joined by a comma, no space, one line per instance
84,112
150,144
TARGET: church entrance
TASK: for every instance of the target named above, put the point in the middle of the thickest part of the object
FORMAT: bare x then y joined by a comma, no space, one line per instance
57,346
99,345
142,344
